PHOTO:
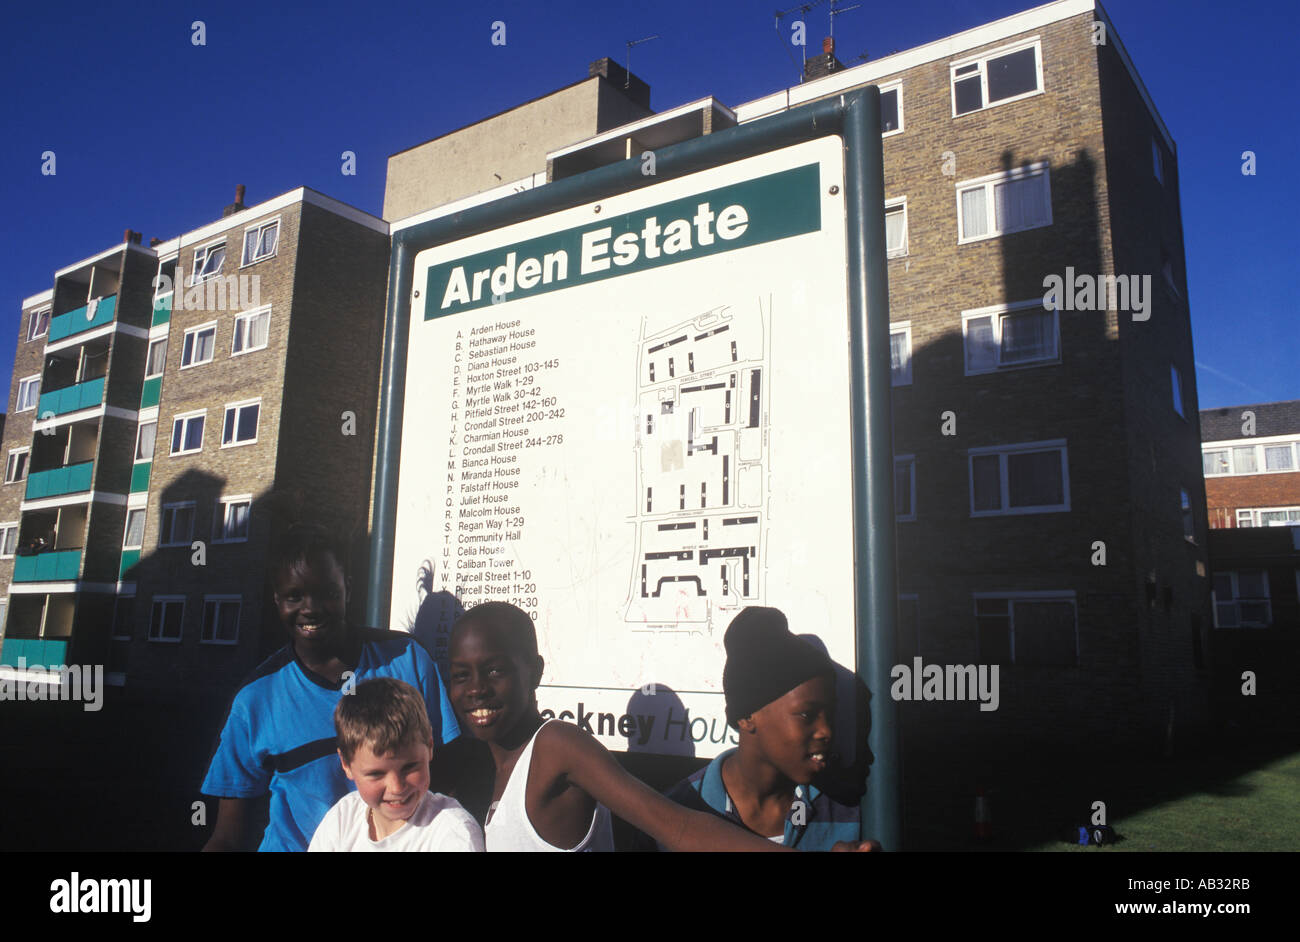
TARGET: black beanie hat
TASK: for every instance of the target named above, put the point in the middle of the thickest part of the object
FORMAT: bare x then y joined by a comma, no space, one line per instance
765,661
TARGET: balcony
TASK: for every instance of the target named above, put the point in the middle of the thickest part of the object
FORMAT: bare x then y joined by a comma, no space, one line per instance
35,651
72,479
58,566
71,398
83,319
140,476
150,392
162,310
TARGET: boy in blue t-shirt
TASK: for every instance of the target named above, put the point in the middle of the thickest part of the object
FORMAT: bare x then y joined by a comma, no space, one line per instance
279,737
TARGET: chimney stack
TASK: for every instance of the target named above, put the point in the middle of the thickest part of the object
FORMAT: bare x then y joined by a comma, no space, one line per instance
128,236
825,64
237,205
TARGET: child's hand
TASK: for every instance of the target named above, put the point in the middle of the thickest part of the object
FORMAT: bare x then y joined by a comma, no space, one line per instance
861,847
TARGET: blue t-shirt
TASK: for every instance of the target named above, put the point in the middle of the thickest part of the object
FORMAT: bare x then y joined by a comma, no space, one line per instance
280,734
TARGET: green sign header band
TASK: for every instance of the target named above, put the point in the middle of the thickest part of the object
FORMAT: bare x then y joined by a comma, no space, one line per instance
764,209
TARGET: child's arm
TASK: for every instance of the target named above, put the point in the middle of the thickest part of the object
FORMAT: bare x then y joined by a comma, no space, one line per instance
231,830
585,762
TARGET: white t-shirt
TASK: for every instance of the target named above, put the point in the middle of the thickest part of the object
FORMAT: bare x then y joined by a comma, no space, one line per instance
439,824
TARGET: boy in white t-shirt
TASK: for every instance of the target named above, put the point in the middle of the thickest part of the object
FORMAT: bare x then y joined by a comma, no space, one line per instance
385,744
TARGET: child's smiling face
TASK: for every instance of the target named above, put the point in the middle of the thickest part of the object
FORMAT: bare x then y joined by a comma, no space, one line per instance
490,686
393,784
311,597
794,731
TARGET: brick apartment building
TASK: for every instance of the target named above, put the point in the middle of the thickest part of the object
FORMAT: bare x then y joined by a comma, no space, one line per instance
252,343
1058,532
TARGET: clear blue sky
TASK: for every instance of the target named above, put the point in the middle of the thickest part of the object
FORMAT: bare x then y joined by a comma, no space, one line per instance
152,133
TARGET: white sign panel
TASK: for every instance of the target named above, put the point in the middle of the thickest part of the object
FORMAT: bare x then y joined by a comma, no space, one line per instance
632,419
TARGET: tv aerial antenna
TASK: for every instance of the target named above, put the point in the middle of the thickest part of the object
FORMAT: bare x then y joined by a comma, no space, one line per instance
634,42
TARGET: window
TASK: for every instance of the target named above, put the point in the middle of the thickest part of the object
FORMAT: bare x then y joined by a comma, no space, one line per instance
260,241
900,354
144,441
1241,599
1003,203
157,358
16,467
29,393
1263,458
199,346
1019,479
1243,460
240,427
1215,462
134,538
905,487
208,261
1269,517
1189,519
1005,75
8,539
1278,458
220,619
1176,384
177,524
896,227
164,282
1008,336
1036,629
891,110
123,614
168,613
250,331
232,519
1158,161
39,324
187,433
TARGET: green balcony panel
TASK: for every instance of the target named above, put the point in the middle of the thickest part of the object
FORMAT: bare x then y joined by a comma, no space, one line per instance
13,649
34,652
162,310
61,566
71,399
82,319
72,479
140,477
129,559
149,394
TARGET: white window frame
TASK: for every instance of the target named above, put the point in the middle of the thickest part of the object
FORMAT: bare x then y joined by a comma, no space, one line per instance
126,529
885,90
996,312
245,261
236,407
1237,599
5,529
242,319
25,384
34,319
909,461
1253,514
139,430
166,600
9,465
201,256
117,600
905,377
899,203
185,418
219,518
982,61
989,184
194,331
1003,451
169,539
149,356
157,277
219,600
1261,457
1063,595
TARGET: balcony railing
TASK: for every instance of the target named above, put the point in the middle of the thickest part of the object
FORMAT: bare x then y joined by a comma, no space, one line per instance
58,566
71,479
162,310
71,398
35,652
82,319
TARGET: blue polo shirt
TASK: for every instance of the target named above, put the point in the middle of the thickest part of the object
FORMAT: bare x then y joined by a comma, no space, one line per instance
280,736
816,821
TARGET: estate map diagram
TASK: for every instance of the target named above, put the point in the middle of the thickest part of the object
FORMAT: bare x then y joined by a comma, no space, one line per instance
702,466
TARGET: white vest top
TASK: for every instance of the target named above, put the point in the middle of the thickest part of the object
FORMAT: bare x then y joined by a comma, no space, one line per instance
508,828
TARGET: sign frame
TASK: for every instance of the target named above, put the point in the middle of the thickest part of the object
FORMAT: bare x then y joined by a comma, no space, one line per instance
855,117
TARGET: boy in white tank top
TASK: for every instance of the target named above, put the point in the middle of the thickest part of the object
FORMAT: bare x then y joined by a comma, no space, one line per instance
554,786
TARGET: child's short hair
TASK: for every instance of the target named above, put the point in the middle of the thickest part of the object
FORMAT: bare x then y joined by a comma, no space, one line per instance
511,619
383,713
302,542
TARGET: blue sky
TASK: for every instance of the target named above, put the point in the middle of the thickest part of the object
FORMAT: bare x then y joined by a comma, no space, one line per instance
152,133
